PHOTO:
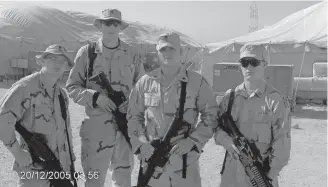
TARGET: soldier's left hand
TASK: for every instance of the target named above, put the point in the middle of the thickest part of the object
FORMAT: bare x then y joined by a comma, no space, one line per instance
123,107
183,146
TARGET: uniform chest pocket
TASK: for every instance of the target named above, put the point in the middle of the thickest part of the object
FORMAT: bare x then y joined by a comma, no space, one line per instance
152,99
262,127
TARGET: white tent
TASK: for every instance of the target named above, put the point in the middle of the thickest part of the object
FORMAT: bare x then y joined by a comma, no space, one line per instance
299,37
25,28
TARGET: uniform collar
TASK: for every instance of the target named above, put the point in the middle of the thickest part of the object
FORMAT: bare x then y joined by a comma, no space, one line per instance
99,46
158,74
241,90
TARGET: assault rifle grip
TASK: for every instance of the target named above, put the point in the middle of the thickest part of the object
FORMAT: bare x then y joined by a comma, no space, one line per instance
118,98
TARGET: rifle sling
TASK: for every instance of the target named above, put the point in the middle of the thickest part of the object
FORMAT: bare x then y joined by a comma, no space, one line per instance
64,116
231,100
181,112
92,56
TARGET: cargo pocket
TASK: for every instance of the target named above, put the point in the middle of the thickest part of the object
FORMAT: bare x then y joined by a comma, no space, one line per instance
262,128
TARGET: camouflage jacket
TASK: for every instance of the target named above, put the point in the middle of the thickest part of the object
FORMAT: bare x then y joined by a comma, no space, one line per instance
152,107
29,102
122,66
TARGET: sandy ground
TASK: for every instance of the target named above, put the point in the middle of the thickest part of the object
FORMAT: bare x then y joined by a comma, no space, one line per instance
307,165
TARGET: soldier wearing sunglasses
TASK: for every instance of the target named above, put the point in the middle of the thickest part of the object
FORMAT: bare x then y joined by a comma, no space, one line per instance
262,114
102,144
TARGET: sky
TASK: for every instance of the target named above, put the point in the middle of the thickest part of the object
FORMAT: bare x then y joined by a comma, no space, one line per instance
204,21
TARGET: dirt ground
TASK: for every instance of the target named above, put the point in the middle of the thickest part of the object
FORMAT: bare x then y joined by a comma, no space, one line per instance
307,165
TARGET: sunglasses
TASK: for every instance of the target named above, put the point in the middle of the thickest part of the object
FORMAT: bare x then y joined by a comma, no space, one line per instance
252,61
108,23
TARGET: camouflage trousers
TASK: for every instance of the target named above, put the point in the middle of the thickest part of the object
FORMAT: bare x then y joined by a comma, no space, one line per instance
174,179
29,177
33,183
103,148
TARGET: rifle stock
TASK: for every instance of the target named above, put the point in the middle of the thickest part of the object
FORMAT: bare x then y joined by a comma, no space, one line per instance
118,98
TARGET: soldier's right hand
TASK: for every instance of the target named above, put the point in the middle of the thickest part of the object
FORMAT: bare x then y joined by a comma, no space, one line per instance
146,150
105,103
23,158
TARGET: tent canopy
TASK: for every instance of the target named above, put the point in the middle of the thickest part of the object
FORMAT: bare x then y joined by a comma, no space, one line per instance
49,25
307,25
25,28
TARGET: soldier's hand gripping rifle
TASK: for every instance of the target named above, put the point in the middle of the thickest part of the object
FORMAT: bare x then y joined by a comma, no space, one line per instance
161,154
247,152
42,155
118,98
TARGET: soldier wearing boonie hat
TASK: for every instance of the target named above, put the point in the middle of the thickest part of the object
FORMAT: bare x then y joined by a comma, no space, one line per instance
55,49
34,102
154,102
263,115
103,146
110,16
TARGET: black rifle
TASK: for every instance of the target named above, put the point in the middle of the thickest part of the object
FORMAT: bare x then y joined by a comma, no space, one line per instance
163,146
118,98
249,155
42,155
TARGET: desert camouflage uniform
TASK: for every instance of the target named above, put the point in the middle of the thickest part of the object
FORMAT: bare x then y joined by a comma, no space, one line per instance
101,144
151,109
263,117
17,105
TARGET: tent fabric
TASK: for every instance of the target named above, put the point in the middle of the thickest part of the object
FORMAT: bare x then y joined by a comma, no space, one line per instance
25,28
300,37
47,25
307,25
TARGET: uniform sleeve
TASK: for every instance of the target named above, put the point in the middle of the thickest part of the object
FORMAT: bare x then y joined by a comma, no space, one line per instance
135,116
220,134
207,107
12,108
75,84
281,144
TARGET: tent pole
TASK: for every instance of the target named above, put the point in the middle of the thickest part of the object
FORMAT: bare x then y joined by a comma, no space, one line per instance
269,53
299,74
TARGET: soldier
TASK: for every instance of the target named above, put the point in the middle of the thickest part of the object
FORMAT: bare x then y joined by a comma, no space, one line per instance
102,144
262,115
153,103
35,102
